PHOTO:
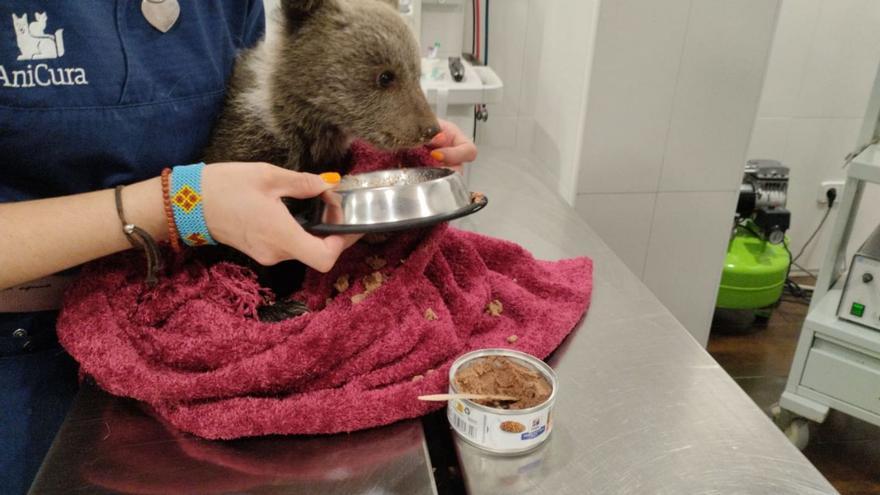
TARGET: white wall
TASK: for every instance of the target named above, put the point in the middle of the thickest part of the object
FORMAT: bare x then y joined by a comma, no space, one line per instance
674,94
823,63
511,121
443,22
660,139
543,52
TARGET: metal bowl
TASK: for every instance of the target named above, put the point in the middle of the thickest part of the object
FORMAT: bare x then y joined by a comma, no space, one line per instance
391,200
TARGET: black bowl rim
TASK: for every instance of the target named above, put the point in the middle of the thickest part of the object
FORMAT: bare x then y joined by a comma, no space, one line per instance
415,223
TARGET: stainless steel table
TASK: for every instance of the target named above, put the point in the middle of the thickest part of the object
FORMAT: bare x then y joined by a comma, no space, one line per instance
643,408
112,445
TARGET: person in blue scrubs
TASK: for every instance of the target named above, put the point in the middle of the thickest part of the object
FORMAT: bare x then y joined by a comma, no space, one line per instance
92,96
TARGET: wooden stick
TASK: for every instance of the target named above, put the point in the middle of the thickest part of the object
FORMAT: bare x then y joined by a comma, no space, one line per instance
445,397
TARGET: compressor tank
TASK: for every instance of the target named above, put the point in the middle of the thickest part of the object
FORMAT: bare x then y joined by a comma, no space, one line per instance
754,272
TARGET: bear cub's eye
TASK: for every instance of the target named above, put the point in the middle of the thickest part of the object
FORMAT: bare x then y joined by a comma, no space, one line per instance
385,79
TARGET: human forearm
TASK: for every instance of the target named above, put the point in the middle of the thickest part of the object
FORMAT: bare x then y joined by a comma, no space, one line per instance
41,237
243,208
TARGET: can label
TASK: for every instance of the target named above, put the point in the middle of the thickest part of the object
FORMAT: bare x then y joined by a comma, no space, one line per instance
503,431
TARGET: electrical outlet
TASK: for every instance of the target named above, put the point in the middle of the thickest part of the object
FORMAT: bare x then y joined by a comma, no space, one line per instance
822,197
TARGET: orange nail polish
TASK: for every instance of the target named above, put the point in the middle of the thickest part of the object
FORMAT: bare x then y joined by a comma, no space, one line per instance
331,177
437,155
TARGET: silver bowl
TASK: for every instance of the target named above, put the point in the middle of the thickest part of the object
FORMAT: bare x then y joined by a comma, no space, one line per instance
391,200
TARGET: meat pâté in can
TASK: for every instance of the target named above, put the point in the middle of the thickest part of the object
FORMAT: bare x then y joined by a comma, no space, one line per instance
502,427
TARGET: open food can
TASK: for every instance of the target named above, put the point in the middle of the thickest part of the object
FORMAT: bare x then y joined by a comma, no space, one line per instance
502,427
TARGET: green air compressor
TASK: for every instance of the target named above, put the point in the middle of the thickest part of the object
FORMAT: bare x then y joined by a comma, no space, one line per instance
757,262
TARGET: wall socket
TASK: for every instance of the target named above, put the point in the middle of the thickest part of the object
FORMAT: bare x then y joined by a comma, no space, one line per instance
822,197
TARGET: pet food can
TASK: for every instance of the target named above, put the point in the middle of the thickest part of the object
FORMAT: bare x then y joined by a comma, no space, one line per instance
496,430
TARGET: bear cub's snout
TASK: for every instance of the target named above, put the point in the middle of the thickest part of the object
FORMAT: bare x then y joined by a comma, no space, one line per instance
430,131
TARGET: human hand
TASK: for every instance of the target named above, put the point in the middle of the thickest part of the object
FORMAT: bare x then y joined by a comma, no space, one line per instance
243,209
451,147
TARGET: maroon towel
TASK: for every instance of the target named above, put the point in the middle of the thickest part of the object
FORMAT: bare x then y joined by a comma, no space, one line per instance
193,348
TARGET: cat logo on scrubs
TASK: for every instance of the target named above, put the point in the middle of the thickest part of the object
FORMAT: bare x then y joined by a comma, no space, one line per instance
35,44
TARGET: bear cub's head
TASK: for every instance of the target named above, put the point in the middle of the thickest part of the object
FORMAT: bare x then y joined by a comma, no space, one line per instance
353,65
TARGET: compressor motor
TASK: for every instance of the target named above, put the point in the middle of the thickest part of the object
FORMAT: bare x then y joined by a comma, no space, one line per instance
762,198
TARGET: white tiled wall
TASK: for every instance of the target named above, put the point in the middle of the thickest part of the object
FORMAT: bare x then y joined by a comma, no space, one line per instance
654,102
442,22
675,87
507,53
688,239
507,57
614,212
542,51
717,91
824,59
632,85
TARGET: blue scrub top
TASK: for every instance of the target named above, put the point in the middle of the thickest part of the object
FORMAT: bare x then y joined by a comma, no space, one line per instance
91,96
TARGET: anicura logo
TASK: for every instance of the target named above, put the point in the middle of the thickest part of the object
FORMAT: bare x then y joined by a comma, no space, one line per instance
35,44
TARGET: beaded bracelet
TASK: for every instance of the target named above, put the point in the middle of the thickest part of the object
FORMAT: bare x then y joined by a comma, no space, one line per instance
173,235
186,203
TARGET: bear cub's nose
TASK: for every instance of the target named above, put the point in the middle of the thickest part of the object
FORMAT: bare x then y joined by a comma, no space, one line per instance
429,132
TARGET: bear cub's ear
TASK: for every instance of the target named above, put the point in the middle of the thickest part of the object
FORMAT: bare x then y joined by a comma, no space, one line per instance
297,11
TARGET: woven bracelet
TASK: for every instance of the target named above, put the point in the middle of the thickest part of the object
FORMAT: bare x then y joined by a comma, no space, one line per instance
186,201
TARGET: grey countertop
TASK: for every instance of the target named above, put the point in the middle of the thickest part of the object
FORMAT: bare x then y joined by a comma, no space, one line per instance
642,409
112,445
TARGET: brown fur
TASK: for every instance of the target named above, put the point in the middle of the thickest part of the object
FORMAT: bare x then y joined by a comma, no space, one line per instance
300,97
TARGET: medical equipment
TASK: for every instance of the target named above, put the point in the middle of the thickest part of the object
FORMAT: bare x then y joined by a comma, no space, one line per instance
837,361
860,298
762,197
757,260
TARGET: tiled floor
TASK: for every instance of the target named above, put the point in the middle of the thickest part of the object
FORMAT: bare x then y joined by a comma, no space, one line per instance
844,449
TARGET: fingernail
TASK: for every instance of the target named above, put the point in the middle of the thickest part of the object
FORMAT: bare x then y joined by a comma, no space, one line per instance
437,155
331,177
440,137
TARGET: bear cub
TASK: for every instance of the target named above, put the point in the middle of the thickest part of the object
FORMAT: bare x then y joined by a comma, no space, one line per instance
327,73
